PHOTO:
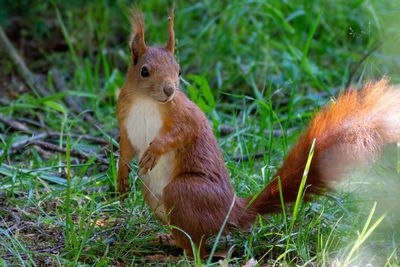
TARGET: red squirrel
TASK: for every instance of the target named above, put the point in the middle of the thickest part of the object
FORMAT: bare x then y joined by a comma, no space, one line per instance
185,181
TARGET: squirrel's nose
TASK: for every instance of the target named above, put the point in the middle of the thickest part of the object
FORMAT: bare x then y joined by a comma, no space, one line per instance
168,90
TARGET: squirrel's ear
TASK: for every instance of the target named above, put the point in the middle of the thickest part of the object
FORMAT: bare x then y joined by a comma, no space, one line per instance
137,45
171,40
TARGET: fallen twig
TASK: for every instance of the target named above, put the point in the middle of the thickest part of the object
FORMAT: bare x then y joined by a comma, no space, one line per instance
20,144
35,140
19,64
72,152
15,124
31,79
21,127
81,136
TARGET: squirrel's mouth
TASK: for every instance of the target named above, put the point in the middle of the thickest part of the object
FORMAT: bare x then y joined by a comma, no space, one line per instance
166,100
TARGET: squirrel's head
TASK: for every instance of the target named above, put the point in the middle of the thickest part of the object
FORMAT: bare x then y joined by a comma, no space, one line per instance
153,71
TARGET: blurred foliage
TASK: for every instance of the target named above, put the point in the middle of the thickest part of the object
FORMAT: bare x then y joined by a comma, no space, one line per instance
238,46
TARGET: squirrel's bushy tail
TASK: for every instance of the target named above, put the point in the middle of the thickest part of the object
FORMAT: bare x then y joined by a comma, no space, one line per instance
347,132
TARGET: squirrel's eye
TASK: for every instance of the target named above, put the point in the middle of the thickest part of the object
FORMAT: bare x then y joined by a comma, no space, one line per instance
180,72
145,72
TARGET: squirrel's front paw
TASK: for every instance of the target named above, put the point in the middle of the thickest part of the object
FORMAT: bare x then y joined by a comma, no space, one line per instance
149,159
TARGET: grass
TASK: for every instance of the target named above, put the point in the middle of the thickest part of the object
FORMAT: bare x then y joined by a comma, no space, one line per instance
254,65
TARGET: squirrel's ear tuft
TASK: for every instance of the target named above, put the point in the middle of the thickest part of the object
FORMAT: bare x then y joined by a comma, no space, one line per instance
171,40
137,45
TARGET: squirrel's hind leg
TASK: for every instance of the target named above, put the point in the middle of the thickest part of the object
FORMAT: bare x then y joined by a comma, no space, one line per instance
198,208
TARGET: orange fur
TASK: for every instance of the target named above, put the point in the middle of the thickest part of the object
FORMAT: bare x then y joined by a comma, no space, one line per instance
196,194
348,132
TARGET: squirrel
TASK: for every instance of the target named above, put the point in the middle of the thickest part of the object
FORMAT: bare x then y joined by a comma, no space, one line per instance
185,180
